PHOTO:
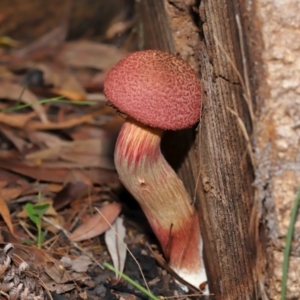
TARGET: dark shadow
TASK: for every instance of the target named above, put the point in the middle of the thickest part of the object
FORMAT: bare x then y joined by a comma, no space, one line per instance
175,146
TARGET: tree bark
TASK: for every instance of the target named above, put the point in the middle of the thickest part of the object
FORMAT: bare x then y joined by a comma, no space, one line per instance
276,56
217,169
248,57
225,188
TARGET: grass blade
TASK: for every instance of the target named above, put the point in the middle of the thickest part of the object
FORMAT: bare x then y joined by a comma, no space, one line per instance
288,243
43,101
128,279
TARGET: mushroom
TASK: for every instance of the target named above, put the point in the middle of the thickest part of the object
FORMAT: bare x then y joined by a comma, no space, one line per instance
158,91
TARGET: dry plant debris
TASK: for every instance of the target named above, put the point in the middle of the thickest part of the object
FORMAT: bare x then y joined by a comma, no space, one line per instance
16,281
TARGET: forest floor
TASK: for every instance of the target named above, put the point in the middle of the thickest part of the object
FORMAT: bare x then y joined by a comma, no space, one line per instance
63,210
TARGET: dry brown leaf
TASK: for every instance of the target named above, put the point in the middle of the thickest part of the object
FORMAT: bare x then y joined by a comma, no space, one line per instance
114,239
50,154
109,130
84,76
71,192
64,83
97,224
57,174
33,125
69,94
43,188
6,74
5,213
3,184
16,120
7,177
14,91
22,121
44,139
118,28
51,165
9,154
99,194
97,81
87,153
114,125
18,142
39,257
88,131
42,174
79,176
11,193
82,54
44,45
77,185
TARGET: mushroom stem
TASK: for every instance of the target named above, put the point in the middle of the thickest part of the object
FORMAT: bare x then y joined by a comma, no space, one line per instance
162,196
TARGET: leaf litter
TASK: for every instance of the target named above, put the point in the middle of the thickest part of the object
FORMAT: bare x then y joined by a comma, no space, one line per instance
57,137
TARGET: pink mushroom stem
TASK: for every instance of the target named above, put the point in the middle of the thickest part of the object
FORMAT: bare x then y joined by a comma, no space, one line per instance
161,194
159,90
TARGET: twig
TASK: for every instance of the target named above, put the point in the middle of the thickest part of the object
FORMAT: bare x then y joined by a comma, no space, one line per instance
67,234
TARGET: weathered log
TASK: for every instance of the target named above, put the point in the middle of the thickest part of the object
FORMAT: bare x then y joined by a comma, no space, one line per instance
247,54
217,169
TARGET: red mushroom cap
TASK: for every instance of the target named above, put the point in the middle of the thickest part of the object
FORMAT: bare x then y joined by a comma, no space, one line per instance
155,88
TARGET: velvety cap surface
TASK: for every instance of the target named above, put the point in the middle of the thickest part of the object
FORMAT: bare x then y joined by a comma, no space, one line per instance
155,88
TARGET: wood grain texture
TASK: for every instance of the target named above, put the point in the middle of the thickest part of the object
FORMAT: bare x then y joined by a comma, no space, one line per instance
153,26
226,192
216,165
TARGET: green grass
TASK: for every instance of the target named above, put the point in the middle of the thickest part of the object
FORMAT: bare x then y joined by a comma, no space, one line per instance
132,282
288,244
43,101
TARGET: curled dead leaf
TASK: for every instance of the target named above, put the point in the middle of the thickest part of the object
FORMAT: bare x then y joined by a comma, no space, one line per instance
5,213
98,223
